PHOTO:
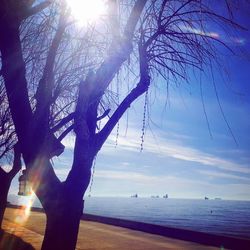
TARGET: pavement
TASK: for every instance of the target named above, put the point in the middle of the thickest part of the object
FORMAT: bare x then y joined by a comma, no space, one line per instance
29,227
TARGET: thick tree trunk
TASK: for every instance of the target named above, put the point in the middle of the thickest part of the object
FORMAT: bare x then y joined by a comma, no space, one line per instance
5,185
5,181
63,225
64,209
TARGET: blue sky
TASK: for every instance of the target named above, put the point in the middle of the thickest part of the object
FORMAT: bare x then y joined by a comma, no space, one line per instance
180,157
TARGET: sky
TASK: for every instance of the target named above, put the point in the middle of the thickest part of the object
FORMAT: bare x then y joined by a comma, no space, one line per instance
184,155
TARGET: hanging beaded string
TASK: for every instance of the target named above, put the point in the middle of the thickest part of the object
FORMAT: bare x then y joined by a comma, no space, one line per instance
144,120
92,176
127,83
118,102
117,133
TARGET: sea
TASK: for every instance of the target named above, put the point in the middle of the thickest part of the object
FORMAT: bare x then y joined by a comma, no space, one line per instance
221,217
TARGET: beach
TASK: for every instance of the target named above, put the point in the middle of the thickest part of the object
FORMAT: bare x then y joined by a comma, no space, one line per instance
93,235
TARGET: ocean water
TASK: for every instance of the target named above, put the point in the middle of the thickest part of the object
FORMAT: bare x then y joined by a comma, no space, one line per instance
231,218
223,217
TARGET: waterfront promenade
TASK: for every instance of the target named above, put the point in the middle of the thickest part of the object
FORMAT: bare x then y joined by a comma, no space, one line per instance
92,235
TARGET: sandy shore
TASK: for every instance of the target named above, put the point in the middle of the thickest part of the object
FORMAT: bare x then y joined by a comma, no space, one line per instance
93,235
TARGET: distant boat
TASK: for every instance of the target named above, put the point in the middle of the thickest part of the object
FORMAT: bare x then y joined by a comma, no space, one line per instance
134,196
165,196
155,196
206,198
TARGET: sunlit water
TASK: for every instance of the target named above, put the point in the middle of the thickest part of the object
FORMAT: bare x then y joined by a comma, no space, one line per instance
214,216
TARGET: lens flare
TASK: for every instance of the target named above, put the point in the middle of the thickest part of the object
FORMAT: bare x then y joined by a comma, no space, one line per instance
86,11
23,213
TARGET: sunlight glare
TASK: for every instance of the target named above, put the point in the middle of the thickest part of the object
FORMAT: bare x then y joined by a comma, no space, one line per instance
86,11
23,213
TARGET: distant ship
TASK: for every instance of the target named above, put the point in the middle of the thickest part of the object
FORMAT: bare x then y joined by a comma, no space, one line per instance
165,196
206,198
155,196
134,196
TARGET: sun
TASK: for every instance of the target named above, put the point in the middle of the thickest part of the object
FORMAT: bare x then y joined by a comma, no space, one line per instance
86,11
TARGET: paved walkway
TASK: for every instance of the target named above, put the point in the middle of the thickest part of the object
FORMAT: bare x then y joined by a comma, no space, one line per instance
93,235
25,234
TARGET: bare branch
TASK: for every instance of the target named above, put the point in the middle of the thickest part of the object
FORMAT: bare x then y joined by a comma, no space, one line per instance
119,51
44,90
141,87
36,9
133,18
106,112
17,165
63,122
66,132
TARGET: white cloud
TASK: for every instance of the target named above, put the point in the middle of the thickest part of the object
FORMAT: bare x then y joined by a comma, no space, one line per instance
238,40
61,173
161,181
146,185
223,175
125,163
233,39
69,142
124,175
173,148
200,32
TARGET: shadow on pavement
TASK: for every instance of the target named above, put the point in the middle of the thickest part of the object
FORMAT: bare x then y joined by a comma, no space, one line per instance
12,242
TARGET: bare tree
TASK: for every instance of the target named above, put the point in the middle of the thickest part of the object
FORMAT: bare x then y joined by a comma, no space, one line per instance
34,35
7,133
159,38
7,142
6,178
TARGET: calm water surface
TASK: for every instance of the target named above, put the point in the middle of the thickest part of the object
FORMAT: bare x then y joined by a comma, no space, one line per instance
214,216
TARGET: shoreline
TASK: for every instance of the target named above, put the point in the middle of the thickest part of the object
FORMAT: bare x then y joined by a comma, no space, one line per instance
207,239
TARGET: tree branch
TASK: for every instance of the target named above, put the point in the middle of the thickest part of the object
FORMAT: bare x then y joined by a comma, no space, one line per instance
134,18
44,90
2,172
14,77
36,9
63,122
106,112
141,87
65,132
119,51
17,165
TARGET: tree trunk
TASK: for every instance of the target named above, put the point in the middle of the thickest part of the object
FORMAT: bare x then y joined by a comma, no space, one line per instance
63,225
5,185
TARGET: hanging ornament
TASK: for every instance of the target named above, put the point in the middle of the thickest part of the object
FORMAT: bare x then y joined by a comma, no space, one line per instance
144,121
24,184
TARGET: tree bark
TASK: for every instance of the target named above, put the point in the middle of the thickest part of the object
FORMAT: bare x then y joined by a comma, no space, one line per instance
5,185
5,180
13,71
62,201
63,224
